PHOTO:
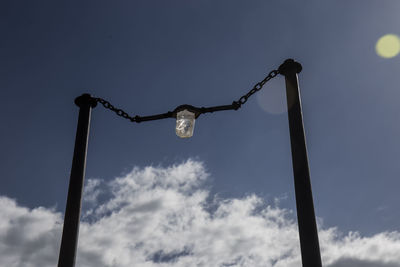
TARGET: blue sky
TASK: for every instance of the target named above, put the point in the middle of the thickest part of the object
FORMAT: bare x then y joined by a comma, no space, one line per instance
147,57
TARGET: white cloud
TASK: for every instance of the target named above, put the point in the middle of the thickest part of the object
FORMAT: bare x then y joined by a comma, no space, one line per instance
28,238
92,190
155,217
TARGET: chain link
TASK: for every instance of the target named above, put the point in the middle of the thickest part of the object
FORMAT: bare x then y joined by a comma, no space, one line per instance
257,87
118,111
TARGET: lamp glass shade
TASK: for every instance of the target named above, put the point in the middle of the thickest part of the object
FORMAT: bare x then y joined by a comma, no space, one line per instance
185,123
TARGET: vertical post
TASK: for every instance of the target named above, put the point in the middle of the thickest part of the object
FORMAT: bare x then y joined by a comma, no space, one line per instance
310,252
73,209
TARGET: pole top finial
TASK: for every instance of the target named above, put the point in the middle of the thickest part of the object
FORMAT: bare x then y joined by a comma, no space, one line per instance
290,66
85,99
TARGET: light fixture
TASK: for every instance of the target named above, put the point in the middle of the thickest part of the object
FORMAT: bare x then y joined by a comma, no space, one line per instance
185,120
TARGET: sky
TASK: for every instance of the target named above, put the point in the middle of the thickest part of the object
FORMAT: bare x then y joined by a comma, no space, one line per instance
224,197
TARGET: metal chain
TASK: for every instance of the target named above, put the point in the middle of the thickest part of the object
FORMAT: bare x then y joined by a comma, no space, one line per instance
257,87
118,111
237,104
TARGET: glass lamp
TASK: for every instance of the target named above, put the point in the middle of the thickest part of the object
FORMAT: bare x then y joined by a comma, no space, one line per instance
185,120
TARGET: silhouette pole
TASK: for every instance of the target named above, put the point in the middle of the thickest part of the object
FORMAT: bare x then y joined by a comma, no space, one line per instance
309,244
73,208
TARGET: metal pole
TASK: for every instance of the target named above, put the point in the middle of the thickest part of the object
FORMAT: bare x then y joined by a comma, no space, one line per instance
309,244
73,209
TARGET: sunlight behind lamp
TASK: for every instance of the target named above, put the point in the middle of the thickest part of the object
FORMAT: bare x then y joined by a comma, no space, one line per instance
185,123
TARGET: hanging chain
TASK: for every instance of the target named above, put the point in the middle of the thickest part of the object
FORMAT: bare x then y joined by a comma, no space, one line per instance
118,111
256,88
235,105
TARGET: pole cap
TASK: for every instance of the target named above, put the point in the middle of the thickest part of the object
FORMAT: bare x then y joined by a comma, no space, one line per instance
85,99
289,67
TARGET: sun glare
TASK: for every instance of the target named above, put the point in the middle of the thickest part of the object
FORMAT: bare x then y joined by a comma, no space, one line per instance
388,46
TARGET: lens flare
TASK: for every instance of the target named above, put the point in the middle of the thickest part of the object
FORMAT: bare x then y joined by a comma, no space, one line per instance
388,46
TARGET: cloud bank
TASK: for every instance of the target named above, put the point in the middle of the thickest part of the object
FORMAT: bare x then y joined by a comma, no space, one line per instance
161,217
